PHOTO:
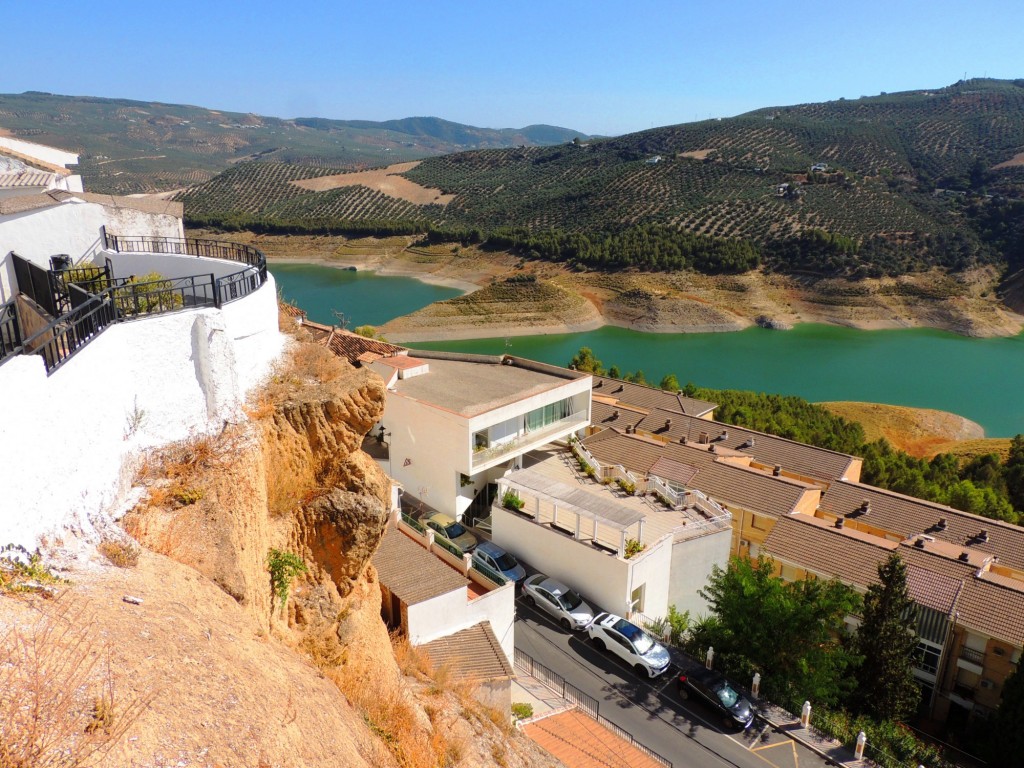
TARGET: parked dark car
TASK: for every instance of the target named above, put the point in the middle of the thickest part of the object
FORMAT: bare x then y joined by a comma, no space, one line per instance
713,688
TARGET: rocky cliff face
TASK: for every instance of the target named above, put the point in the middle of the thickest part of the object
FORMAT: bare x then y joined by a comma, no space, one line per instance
209,668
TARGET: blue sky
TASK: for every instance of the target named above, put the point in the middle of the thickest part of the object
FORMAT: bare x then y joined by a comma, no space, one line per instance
597,67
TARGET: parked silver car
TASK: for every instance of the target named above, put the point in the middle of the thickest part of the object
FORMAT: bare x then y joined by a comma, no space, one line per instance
630,643
557,599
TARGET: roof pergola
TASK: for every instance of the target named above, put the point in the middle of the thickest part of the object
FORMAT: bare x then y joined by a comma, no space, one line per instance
578,503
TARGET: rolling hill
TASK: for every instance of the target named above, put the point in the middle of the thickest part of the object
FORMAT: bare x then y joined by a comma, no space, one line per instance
902,181
137,146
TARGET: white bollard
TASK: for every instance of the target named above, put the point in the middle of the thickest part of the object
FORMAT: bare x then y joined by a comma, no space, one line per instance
858,752
755,688
805,715
710,657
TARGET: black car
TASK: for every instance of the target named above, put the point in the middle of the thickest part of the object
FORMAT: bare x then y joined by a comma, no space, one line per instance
712,687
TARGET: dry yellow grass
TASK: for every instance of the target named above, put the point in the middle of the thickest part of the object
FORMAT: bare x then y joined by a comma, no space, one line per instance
59,704
921,432
383,180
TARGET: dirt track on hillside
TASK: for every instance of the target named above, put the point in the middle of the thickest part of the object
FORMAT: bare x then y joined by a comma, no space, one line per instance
385,180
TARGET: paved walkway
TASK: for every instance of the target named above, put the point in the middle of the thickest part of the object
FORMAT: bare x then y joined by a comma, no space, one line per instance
788,724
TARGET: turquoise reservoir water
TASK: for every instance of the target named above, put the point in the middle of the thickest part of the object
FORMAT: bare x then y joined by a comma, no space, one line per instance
977,378
363,297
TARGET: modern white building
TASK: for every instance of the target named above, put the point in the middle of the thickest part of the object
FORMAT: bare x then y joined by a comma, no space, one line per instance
626,553
456,423
28,168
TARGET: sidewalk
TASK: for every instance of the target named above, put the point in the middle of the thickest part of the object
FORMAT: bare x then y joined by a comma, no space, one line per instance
785,723
788,724
530,690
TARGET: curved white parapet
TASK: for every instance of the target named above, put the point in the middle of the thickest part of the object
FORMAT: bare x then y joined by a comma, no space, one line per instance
70,441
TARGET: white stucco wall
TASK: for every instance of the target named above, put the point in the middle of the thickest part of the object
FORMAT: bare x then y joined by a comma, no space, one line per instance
652,569
602,580
434,442
692,561
436,617
50,155
72,227
498,607
453,611
69,453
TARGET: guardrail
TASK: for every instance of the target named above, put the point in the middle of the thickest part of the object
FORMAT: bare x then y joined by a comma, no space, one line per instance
111,301
580,700
10,330
500,449
228,288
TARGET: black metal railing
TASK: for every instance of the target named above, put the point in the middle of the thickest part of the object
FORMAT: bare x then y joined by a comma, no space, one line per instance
153,297
973,656
69,333
10,330
96,300
229,287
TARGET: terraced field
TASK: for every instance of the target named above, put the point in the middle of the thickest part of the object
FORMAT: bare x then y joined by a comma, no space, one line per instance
904,183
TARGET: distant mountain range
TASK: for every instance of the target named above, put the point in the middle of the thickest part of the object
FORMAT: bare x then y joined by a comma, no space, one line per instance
138,146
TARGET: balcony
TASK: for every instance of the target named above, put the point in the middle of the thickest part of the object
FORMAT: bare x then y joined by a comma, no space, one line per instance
526,440
971,660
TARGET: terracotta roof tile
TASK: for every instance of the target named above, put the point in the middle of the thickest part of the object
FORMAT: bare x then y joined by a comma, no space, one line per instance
471,654
581,742
723,481
410,572
906,516
351,345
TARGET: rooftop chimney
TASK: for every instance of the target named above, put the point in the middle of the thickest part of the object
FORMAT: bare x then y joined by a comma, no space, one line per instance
983,536
615,414
683,440
724,435
964,556
941,525
668,423
865,507
840,522
711,448
777,471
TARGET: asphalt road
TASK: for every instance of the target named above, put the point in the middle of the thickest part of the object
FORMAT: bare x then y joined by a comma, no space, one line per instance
686,733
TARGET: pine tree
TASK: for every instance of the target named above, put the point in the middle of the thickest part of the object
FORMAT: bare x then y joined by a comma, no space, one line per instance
886,642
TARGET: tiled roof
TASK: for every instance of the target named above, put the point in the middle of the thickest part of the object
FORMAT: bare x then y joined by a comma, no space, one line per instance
581,742
603,414
983,601
400,362
410,572
23,203
725,482
993,609
26,178
472,654
906,516
677,472
144,204
808,543
351,345
650,397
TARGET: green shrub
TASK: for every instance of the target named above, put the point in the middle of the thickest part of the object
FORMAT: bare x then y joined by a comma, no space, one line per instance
283,567
522,710
512,500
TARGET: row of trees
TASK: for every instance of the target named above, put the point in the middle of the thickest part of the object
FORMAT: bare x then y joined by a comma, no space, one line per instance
795,635
984,485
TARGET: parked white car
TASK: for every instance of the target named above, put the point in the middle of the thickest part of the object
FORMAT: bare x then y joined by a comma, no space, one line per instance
630,643
557,599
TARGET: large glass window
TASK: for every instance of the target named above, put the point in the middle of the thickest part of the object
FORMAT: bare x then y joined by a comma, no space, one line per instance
548,414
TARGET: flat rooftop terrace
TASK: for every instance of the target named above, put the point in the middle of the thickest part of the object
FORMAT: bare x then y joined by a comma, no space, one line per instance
559,465
470,388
